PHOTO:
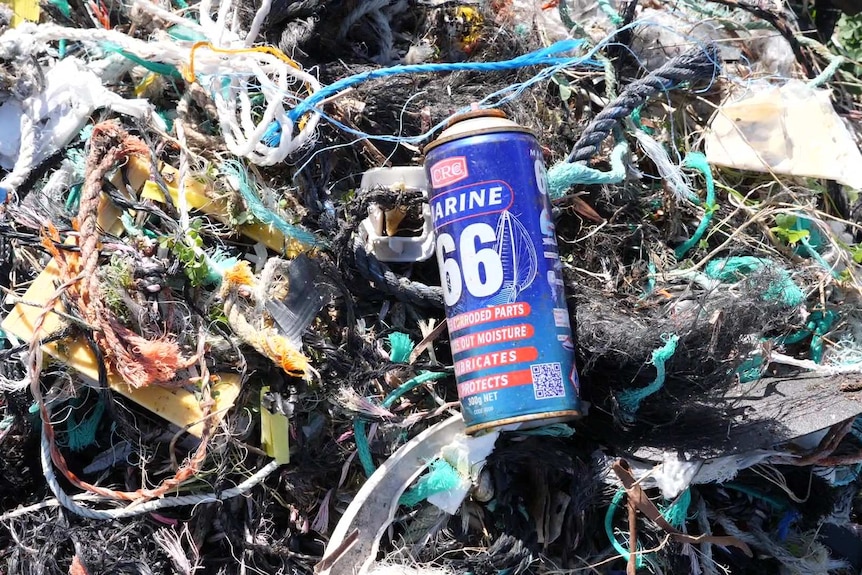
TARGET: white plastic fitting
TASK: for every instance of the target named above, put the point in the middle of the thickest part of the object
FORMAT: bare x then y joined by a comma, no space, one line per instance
371,230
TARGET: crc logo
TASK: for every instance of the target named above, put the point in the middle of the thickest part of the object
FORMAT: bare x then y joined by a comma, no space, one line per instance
449,171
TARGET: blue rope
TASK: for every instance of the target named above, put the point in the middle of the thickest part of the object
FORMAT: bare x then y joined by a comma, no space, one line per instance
539,57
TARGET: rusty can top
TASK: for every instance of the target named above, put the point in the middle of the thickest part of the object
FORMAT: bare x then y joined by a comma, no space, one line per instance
476,122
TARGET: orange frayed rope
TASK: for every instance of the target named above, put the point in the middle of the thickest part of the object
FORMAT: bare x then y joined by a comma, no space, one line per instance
243,296
139,361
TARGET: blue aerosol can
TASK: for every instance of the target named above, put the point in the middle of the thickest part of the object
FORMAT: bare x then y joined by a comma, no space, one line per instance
500,270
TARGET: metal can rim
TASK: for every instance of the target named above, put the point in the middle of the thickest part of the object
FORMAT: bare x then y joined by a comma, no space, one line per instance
502,126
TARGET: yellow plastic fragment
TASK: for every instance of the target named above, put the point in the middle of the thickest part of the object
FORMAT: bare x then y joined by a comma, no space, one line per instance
145,83
274,432
23,10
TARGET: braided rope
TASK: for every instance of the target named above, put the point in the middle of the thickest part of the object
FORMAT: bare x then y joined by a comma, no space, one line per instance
128,353
694,65
387,281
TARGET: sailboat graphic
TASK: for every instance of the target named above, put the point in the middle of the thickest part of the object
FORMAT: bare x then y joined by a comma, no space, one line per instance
518,255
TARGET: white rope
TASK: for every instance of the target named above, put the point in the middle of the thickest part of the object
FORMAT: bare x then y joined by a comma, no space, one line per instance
814,366
816,559
360,10
133,509
708,564
182,200
233,102
384,33
256,24
53,502
670,172
374,10
228,77
205,14
26,161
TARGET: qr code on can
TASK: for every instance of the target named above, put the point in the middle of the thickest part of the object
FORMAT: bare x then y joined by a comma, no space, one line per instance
548,380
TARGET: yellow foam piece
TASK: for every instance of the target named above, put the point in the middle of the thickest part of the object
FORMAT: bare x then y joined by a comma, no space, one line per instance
197,198
23,10
178,406
274,432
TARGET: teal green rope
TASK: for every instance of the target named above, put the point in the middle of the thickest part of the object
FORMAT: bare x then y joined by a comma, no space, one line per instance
698,162
733,269
158,68
611,12
650,286
636,118
610,80
412,384
677,512
630,399
776,503
553,430
792,338
400,347
169,121
261,212
575,28
185,34
616,503
834,64
818,325
820,322
74,198
363,450
441,477
63,6
360,426
564,175
750,369
817,257
835,61
81,435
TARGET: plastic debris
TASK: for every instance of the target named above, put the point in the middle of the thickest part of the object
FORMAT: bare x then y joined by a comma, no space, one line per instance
792,129
223,345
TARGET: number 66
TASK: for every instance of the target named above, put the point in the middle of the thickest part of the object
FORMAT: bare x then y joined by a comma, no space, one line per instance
473,262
